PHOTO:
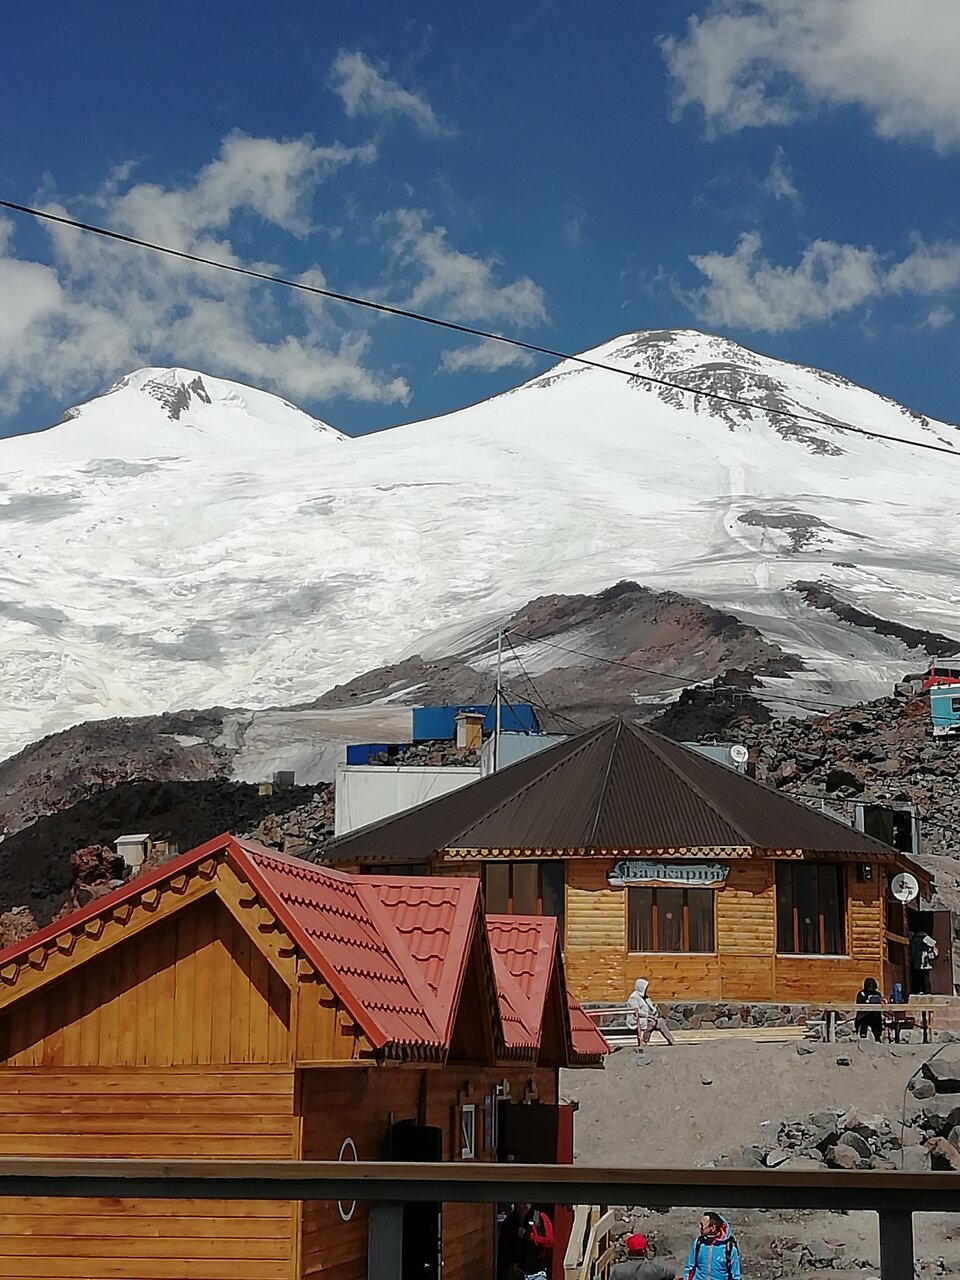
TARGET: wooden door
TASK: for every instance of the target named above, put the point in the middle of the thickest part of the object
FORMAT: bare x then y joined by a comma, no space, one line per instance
941,976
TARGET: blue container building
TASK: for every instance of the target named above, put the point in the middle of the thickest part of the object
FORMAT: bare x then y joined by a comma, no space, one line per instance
435,724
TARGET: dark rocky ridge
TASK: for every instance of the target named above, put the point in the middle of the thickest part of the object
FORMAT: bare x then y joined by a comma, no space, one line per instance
822,595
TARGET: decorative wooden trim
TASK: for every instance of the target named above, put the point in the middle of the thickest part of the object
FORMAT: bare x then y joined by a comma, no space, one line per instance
543,855
93,937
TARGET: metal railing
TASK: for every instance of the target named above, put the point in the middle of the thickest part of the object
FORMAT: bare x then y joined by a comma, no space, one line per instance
894,1197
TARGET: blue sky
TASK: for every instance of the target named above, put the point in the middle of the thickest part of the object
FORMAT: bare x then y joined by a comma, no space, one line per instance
782,171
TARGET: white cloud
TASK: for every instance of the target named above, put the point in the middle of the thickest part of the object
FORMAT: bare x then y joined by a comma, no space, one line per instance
97,308
485,356
939,317
779,180
366,90
745,289
749,63
462,287
928,269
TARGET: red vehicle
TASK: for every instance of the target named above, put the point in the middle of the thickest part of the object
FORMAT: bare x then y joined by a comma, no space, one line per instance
939,674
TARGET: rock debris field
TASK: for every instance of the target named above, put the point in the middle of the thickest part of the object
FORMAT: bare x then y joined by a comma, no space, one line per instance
801,1105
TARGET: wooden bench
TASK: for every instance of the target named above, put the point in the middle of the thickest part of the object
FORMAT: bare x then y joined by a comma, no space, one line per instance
895,1017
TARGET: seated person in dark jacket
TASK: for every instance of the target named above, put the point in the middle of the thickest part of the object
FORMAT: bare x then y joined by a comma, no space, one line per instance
873,1022
638,1266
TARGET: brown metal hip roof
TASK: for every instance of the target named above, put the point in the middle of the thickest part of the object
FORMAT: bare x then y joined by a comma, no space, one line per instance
615,787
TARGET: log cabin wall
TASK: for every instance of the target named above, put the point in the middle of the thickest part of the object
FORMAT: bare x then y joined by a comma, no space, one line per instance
745,966
174,1043
193,991
595,945
360,1103
178,1112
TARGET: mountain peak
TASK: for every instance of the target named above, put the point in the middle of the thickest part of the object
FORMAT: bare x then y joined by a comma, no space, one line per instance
178,412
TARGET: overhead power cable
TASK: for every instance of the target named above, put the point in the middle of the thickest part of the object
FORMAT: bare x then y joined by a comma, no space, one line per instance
540,702
469,330
814,704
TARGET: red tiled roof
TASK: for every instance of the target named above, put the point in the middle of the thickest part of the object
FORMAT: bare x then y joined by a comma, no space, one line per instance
589,1046
342,930
524,957
392,949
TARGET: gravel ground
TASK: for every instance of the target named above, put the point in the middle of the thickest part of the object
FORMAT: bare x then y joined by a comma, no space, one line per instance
691,1105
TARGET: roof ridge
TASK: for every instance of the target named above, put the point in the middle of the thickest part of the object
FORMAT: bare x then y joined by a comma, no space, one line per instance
582,744
710,801
605,782
260,881
570,748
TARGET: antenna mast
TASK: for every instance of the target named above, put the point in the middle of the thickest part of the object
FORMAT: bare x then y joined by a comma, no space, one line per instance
496,725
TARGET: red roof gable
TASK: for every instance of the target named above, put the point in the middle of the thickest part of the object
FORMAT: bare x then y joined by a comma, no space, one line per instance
392,949
524,955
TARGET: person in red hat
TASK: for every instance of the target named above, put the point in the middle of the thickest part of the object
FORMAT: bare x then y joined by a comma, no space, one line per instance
638,1266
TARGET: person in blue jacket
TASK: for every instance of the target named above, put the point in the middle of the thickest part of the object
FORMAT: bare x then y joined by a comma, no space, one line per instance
714,1254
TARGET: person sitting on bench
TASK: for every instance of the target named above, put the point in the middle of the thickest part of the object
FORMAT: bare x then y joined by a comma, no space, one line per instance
873,1022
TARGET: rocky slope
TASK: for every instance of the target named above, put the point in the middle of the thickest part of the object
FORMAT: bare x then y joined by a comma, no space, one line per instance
633,633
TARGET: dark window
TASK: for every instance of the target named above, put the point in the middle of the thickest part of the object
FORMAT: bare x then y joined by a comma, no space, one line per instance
671,919
524,889
955,704
810,901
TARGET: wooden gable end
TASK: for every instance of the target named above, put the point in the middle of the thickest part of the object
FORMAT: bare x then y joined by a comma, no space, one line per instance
193,990
476,1036
554,1041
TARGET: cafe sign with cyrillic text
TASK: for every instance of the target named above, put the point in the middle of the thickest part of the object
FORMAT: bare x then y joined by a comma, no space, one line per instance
693,875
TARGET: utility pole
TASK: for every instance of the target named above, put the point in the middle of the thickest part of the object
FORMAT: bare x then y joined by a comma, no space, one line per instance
496,723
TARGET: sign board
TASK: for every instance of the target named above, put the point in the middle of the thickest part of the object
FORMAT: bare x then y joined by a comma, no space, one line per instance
697,875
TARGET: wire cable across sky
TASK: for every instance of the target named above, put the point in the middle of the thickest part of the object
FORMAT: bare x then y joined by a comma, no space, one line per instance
404,313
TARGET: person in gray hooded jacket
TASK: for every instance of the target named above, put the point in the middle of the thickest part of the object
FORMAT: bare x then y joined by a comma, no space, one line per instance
644,1016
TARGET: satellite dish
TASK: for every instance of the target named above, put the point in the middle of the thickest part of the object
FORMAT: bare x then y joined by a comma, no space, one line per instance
739,754
904,887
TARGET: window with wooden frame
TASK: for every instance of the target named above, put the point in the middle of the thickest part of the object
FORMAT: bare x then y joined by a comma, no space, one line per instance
468,1131
810,909
671,919
515,888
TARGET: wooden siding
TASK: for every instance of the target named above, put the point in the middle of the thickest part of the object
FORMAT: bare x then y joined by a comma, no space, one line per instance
144,1112
359,1104
746,966
192,991
595,931
747,932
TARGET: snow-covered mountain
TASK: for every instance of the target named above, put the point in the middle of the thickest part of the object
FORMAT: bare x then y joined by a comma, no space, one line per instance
186,541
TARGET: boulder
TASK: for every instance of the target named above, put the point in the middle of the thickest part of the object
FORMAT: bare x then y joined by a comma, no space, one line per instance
943,1072
858,1144
922,1089
843,1156
939,1117
916,1160
818,1253
802,1164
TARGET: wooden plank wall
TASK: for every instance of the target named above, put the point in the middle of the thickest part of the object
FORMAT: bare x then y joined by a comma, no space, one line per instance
745,966
150,1113
595,950
192,990
747,932
360,1103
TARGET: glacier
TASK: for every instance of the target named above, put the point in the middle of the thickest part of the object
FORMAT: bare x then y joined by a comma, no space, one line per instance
186,541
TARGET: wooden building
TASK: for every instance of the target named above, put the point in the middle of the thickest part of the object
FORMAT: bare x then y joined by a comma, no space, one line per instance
662,864
237,1003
